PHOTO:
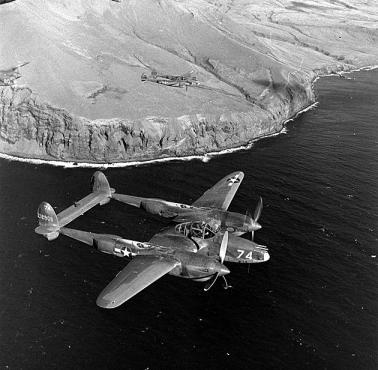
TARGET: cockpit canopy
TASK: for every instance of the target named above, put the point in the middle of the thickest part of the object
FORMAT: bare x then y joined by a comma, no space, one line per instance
198,229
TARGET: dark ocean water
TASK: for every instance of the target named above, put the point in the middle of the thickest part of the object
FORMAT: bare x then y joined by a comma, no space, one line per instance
313,305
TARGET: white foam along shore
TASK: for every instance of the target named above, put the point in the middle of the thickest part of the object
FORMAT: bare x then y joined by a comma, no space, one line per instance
205,158
342,73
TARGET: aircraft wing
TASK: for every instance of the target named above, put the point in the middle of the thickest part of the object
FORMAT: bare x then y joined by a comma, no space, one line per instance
137,275
222,193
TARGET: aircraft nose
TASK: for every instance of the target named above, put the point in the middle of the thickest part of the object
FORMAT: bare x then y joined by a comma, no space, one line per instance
254,226
266,256
224,270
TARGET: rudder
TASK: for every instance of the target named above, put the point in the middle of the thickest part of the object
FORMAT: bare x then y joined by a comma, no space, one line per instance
48,221
100,184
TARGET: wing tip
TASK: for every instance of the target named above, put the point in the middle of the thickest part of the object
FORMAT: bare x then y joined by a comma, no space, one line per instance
105,303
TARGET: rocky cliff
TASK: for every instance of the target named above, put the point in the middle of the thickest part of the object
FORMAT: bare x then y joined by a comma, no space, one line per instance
255,66
31,127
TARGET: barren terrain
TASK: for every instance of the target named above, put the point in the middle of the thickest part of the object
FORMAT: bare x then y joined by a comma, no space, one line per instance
81,98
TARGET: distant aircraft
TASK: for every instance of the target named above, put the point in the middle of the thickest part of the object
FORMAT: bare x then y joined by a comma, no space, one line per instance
191,250
211,207
184,80
8,76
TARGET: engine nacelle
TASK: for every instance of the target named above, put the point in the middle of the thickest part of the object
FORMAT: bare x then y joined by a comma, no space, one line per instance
153,207
116,247
157,207
51,236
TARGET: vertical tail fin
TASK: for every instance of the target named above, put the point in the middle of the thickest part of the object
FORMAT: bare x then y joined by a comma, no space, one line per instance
100,184
48,221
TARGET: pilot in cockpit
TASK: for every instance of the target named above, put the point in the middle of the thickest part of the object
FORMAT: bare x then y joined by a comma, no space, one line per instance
196,230
200,230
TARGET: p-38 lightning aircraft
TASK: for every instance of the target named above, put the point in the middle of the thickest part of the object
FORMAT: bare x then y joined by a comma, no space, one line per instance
184,80
193,250
211,207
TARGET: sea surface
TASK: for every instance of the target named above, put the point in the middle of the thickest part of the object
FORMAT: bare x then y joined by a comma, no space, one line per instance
314,305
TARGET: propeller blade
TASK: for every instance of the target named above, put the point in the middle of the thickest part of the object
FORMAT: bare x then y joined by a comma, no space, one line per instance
258,210
252,235
247,216
223,247
211,282
222,255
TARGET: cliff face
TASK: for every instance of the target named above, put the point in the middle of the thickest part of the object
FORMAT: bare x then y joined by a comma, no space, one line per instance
31,127
254,64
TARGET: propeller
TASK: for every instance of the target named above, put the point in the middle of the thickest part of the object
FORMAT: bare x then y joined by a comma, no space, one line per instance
222,256
223,247
258,210
254,225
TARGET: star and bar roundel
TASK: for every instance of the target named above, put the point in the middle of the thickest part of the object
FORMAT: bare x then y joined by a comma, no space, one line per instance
222,193
233,180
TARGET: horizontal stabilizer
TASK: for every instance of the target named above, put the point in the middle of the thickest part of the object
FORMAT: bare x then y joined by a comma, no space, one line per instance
50,223
101,194
80,207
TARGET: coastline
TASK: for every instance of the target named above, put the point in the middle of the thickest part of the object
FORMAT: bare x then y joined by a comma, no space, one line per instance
256,70
204,158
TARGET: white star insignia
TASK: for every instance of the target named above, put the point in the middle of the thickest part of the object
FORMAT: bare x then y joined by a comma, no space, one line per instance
233,180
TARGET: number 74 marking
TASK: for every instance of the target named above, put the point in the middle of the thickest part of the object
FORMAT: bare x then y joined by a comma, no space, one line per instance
241,252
